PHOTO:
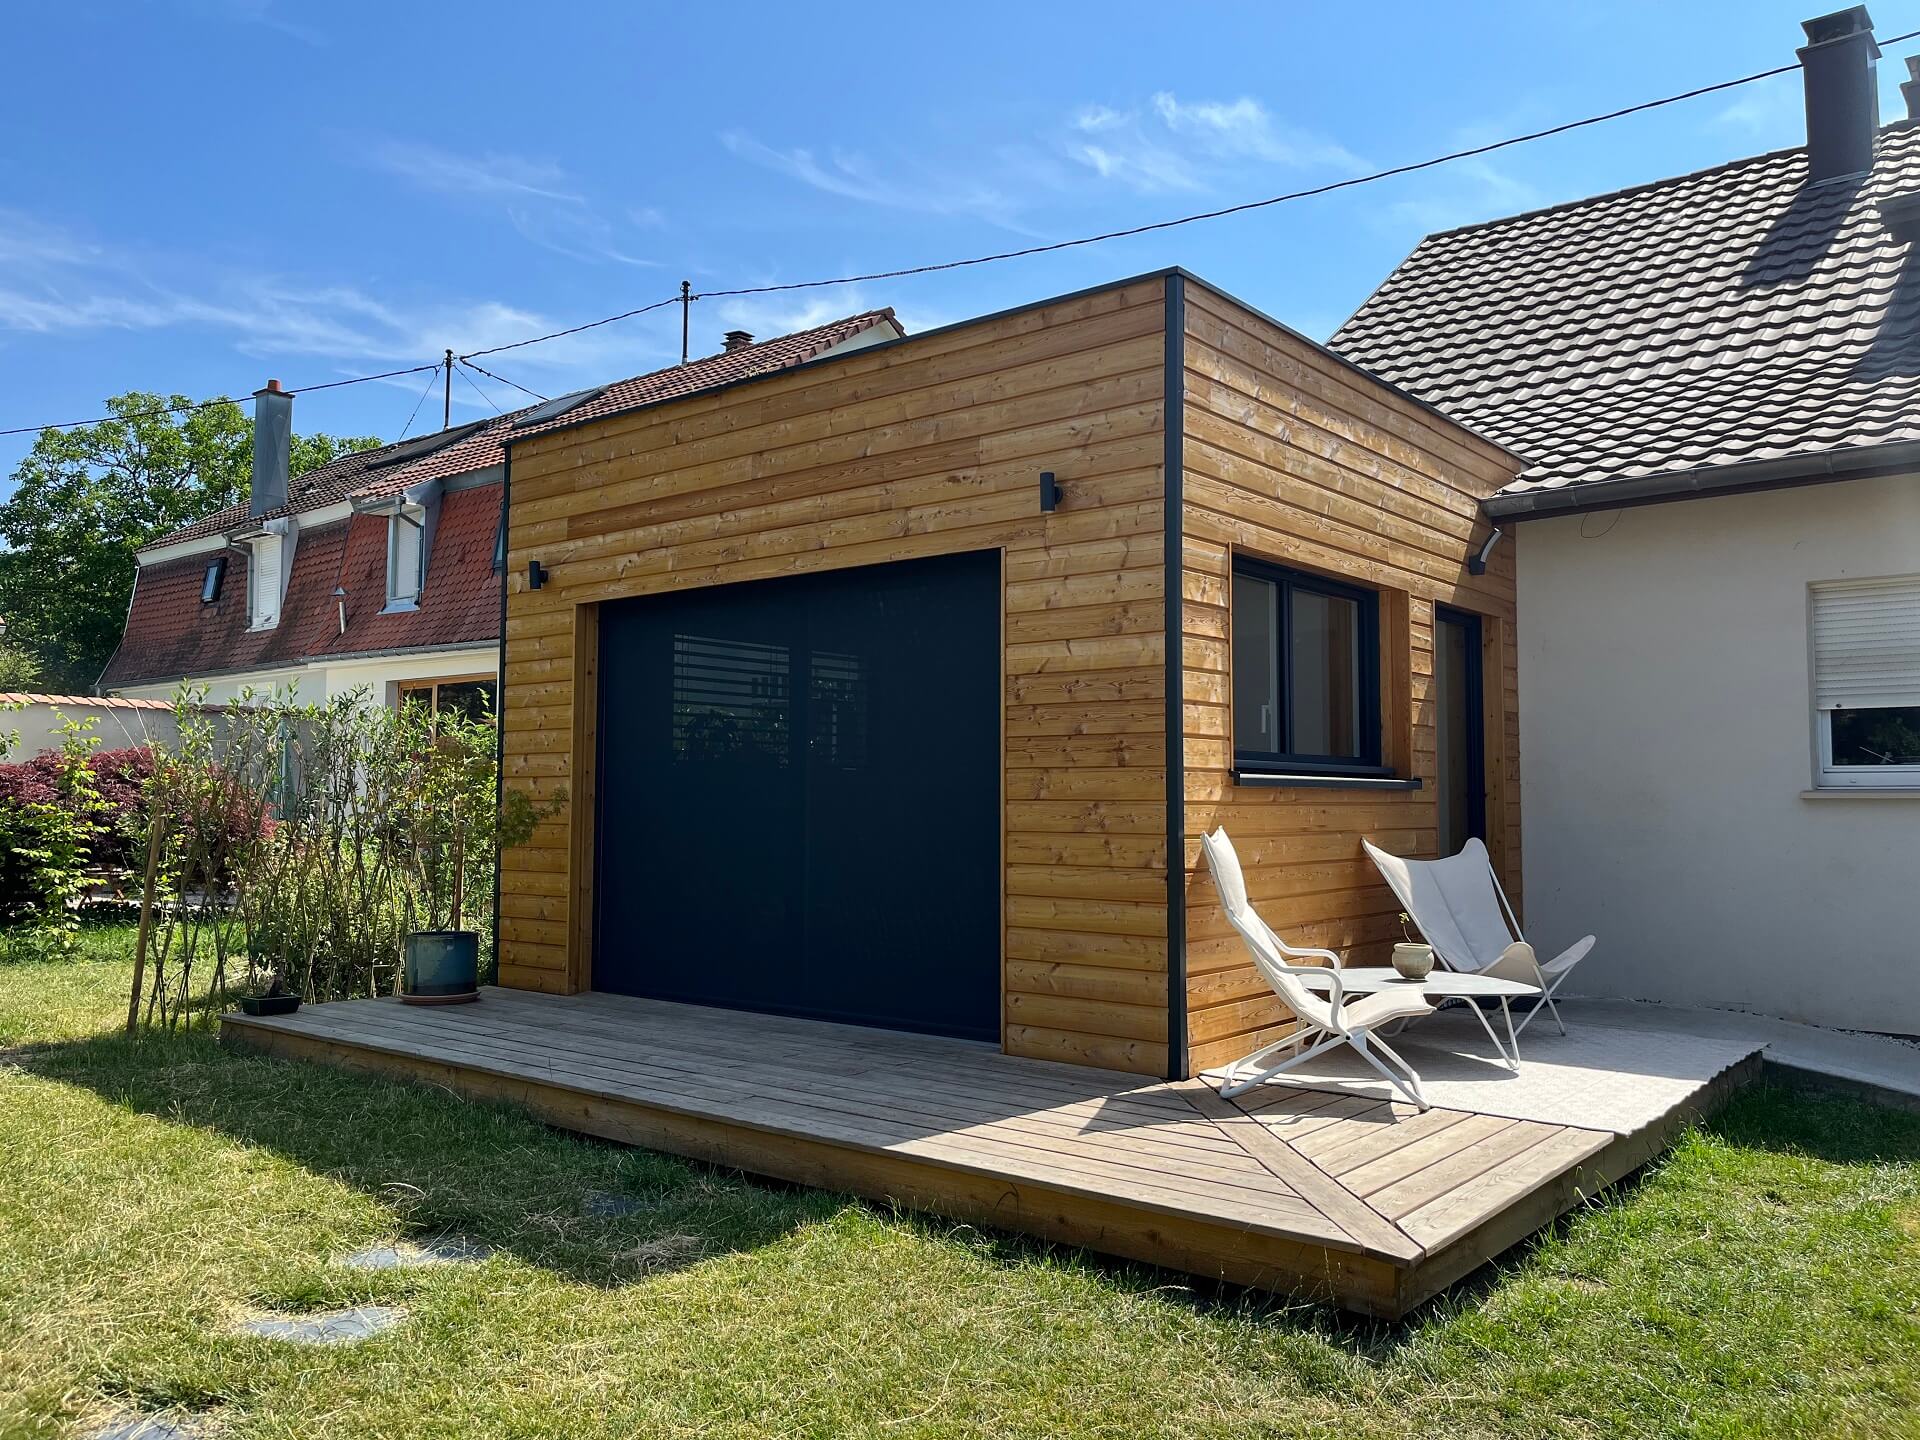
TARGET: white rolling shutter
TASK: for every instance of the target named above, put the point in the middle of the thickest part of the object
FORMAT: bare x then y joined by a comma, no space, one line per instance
1866,643
263,581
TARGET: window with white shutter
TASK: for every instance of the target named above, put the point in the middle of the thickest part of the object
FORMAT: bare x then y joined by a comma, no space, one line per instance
404,537
263,583
1866,681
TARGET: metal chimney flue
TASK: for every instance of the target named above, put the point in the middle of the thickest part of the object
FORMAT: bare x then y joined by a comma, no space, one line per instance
1910,87
1843,103
272,448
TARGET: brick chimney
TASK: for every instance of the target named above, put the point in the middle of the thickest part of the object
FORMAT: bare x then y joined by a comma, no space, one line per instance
1843,104
735,340
272,448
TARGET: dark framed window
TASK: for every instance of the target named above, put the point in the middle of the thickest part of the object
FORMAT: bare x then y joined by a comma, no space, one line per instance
210,582
1306,673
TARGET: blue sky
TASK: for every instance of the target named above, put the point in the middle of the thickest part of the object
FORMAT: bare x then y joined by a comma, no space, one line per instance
196,196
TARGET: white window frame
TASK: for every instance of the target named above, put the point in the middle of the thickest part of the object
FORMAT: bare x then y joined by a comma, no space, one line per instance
403,527
1826,774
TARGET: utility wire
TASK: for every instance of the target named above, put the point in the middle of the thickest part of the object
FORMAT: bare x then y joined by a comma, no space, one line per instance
1243,207
503,380
485,398
573,329
209,404
417,404
1246,205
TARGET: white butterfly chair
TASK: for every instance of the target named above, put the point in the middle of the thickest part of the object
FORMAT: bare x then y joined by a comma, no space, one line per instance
1325,1021
1461,909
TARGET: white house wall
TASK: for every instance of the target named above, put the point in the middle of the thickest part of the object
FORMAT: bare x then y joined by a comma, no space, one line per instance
1666,758
317,683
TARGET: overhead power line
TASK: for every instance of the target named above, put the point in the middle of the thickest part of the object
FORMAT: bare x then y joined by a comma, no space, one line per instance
503,380
902,272
209,404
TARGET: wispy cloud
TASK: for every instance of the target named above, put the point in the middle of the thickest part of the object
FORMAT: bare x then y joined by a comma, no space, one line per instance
1463,193
57,283
542,202
856,177
1769,109
490,174
269,14
1170,144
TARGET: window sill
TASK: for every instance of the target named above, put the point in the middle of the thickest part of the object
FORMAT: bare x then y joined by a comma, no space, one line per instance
1863,792
1270,780
399,607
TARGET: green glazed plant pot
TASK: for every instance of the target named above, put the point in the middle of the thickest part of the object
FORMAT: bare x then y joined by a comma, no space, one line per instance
442,967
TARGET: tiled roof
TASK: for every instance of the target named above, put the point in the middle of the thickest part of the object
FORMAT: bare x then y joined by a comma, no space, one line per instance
91,702
363,474
1728,316
171,634
459,601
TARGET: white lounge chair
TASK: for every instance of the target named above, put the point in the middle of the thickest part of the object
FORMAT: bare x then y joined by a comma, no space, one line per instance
1325,1021
1461,909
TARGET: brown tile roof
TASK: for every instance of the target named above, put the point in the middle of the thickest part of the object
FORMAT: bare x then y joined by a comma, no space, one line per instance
1727,316
170,634
363,474
459,601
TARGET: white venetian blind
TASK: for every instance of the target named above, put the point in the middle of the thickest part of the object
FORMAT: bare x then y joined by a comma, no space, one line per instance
1866,643
263,586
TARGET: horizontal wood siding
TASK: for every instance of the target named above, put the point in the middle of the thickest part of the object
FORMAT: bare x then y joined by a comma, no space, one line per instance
928,447
1291,457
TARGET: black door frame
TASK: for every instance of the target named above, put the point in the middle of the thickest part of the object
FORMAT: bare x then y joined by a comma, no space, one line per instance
1475,679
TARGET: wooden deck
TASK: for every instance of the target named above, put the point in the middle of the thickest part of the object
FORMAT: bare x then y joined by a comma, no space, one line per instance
1371,1205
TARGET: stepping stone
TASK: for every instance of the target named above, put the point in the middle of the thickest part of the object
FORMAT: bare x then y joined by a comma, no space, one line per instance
606,1205
448,1250
333,1327
125,1426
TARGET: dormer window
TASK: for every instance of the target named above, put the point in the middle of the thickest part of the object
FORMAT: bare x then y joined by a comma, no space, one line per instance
211,582
405,560
263,583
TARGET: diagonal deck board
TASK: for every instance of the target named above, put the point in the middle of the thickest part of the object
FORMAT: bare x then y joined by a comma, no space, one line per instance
1366,1201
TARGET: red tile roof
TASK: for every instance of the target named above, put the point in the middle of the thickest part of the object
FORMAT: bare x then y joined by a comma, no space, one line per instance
364,475
460,599
170,634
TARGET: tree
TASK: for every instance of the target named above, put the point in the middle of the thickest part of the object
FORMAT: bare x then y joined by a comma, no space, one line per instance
86,499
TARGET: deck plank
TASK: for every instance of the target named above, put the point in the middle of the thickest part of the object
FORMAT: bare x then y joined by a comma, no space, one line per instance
1365,1201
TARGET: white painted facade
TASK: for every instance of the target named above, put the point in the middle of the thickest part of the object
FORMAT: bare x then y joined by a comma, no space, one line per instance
381,675
1668,761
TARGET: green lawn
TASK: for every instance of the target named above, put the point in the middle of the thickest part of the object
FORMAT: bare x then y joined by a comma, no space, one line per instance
1764,1280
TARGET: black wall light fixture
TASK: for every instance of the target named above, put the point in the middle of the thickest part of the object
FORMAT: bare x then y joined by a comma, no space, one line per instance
1049,492
536,574
1477,564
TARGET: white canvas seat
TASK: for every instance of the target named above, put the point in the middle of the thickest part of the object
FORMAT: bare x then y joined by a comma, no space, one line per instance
1461,909
1325,1021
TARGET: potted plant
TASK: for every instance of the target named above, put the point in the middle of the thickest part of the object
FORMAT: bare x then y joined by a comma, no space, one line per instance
267,988
441,963
456,823
1412,959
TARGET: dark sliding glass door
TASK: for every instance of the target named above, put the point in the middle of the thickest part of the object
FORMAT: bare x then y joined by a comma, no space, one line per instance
1459,703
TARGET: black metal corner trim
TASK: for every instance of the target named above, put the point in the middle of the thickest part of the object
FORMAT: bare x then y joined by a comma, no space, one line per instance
500,695
1173,422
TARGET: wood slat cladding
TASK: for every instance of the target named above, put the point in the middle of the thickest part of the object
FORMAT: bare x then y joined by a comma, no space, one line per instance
1291,457
1116,746
926,447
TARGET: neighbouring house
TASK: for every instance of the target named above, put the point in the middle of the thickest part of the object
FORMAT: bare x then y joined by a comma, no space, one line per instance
381,571
898,687
1715,383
